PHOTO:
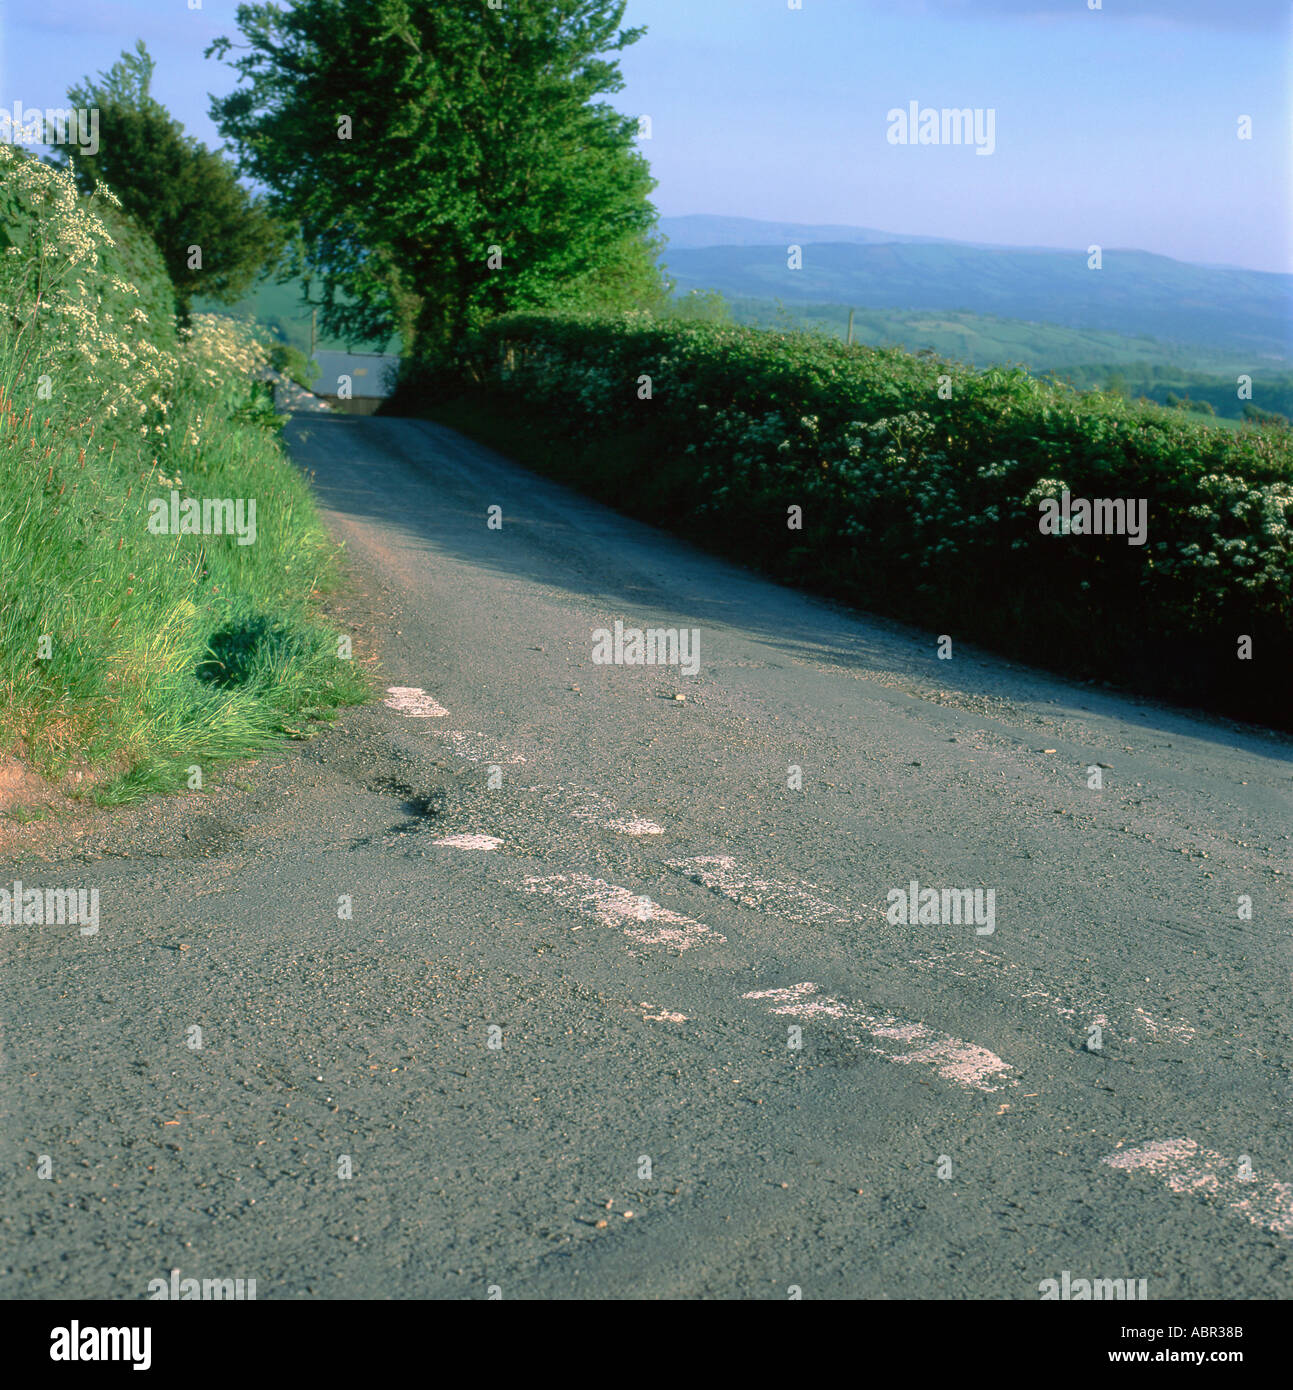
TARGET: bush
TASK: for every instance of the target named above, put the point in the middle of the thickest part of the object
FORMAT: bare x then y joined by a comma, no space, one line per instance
919,501
1264,417
294,364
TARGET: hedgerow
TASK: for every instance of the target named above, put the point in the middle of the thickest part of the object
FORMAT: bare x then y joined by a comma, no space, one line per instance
919,482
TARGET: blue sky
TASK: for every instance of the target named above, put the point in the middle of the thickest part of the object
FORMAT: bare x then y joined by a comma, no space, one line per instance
1115,126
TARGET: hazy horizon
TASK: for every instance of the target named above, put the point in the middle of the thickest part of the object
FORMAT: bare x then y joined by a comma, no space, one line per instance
915,236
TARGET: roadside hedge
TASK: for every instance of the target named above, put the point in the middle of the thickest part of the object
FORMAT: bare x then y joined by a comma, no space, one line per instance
920,482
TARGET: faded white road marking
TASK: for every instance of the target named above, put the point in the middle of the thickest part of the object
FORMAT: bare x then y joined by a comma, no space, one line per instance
1180,1031
466,841
722,874
584,805
477,748
636,915
599,810
581,803
664,1016
1131,1024
413,701
966,1064
633,825
1187,1169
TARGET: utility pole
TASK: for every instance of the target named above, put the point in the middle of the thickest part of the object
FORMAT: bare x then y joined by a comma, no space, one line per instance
850,328
314,316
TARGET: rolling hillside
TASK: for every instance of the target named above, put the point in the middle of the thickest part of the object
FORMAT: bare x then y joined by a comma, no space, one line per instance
1235,312
983,339
279,308
702,230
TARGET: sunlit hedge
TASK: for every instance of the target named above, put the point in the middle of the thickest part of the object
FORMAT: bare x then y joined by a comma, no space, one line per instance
920,483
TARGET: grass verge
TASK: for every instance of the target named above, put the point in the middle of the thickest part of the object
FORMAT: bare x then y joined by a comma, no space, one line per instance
139,654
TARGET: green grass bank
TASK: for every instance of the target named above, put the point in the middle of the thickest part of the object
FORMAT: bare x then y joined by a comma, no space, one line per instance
126,648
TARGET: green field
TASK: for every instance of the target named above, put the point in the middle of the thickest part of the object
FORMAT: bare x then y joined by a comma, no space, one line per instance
1134,367
281,309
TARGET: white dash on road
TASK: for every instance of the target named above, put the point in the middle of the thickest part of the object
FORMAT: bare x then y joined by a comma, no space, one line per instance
635,914
633,825
1078,1013
413,701
664,1016
477,748
599,810
468,841
1178,1032
1190,1170
722,874
965,1064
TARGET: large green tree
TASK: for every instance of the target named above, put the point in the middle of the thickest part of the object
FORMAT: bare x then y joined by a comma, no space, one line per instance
446,161
185,195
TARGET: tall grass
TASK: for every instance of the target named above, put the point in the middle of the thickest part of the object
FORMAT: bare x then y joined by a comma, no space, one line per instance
136,654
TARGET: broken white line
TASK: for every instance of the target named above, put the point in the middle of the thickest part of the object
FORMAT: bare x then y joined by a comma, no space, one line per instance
635,914
722,874
476,748
413,701
1187,1169
965,1064
466,841
598,810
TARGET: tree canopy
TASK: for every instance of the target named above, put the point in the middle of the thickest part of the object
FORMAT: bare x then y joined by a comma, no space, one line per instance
185,195
446,162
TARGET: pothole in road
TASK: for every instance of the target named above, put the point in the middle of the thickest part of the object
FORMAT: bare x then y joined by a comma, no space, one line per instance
414,803
422,809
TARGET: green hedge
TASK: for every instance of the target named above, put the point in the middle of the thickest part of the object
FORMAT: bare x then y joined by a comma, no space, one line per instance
920,483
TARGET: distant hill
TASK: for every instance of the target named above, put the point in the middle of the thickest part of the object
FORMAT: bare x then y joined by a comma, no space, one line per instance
1247,313
1134,366
700,229
982,340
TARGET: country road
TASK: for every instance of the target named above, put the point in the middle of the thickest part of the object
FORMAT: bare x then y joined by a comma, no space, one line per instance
533,977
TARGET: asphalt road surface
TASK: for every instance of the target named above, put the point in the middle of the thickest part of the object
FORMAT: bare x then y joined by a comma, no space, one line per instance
540,979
